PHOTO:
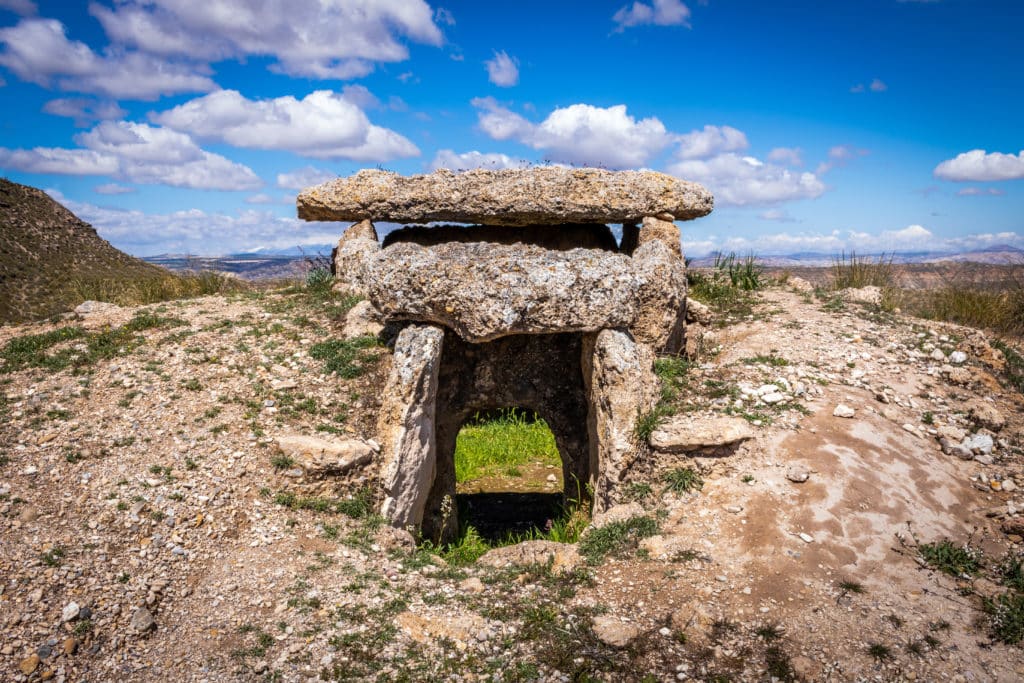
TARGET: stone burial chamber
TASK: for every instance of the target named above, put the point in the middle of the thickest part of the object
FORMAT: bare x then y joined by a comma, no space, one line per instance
530,302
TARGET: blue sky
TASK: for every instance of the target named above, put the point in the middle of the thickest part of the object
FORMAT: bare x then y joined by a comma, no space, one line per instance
189,125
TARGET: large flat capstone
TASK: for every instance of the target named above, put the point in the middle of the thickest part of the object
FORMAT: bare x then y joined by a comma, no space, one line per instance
485,291
518,197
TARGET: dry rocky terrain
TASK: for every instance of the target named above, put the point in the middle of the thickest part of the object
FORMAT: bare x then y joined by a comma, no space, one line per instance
152,530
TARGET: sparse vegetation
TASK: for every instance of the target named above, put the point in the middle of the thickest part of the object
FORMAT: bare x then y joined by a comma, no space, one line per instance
952,559
140,291
728,286
347,358
861,271
616,537
682,480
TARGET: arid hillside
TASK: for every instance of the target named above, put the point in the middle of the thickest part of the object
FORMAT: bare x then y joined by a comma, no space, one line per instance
44,249
162,517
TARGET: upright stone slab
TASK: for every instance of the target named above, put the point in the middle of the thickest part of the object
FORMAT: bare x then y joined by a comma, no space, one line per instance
406,424
352,259
621,385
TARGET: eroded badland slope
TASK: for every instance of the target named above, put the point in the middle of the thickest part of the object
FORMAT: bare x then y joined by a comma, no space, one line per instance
151,530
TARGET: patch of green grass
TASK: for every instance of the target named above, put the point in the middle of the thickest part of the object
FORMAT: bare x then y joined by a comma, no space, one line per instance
1011,572
682,480
952,559
1006,617
616,538
282,461
53,350
359,506
498,444
348,358
673,374
762,359
647,422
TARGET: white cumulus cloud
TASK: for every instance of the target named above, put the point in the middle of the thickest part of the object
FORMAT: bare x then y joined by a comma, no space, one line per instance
791,156
322,125
83,110
658,12
502,70
979,166
580,133
699,144
447,158
747,180
336,39
300,179
138,153
38,51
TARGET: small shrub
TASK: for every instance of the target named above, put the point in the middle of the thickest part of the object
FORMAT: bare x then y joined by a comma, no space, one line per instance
860,271
1006,617
282,462
879,652
1011,572
616,537
647,422
682,480
467,549
951,559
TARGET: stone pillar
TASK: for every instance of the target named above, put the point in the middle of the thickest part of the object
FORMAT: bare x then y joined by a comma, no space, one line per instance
350,259
621,386
664,231
406,424
660,321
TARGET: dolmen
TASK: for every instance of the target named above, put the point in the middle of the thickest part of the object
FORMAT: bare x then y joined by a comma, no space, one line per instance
510,290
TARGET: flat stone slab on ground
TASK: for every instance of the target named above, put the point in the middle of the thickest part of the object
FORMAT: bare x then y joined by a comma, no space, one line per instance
681,433
534,196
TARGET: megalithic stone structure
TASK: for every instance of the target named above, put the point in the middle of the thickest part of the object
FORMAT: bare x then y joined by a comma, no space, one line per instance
532,305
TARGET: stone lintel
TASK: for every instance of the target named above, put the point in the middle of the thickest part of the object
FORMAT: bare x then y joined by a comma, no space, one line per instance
514,197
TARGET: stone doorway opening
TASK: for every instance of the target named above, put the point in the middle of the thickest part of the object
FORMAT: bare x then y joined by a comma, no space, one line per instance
538,375
508,474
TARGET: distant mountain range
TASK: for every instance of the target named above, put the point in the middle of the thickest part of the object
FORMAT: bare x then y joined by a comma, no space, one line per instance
1002,254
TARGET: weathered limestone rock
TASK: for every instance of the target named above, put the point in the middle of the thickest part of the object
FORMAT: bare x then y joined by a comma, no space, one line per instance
485,291
406,424
696,312
615,632
984,414
362,320
563,556
351,259
683,434
461,629
623,512
661,297
619,374
665,232
320,457
871,295
535,196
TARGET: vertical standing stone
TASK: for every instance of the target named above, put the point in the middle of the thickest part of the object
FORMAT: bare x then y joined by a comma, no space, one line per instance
665,232
349,260
619,374
406,424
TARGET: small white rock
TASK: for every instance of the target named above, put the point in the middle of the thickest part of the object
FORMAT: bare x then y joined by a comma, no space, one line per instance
843,410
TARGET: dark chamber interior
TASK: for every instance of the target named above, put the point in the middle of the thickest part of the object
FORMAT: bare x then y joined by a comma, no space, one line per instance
554,237
538,373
